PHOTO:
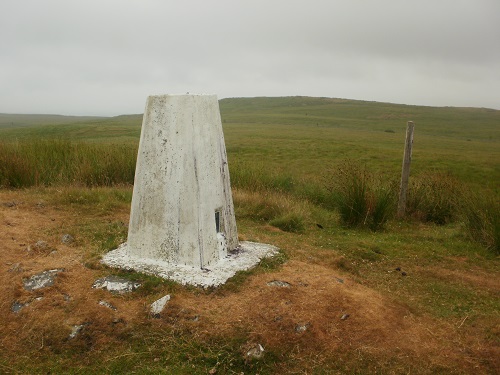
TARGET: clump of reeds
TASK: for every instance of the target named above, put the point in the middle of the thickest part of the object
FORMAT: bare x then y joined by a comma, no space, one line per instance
361,199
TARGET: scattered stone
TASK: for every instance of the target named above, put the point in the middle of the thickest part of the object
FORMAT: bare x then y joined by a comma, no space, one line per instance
279,283
340,281
255,352
67,239
319,226
41,245
398,268
404,274
42,280
299,328
9,204
278,318
344,317
158,306
76,330
115,284
17,306
107,304
67,297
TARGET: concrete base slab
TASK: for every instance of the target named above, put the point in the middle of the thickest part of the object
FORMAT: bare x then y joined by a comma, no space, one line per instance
245,256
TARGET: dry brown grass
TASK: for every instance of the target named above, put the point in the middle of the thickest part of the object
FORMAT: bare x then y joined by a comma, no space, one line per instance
379,331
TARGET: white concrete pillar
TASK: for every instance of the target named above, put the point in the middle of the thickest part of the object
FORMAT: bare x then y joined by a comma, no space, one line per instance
182,209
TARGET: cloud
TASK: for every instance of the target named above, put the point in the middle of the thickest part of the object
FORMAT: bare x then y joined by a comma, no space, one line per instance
105,57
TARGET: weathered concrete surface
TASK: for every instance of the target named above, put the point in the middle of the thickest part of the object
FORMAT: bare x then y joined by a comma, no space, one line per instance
182,225
182,194
246,256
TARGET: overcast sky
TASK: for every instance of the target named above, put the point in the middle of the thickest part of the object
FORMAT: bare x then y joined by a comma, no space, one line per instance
104,57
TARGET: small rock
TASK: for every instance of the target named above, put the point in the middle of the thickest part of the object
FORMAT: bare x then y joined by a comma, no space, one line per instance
17,306
75,330
299,328
279,283
255,352
116,284
67,239
404,274
344,317
9,204
42,280
398,268
41,245
107,304
158,306
340,281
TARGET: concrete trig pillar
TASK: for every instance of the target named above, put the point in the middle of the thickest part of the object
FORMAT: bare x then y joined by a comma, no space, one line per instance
182,209
182,224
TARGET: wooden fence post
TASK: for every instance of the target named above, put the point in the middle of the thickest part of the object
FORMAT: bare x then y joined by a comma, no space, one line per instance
405,174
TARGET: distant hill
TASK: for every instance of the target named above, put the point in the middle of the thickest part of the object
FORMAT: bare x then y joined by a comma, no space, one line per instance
8,120
466,123
475,123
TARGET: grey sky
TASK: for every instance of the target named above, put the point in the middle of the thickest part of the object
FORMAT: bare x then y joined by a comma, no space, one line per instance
104,57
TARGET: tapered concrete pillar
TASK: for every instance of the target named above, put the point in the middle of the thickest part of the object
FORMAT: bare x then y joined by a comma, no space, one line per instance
182,222
182,209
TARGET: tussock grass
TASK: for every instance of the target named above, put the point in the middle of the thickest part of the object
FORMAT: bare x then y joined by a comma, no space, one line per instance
277,209
482,220
45,162
434,197
361,199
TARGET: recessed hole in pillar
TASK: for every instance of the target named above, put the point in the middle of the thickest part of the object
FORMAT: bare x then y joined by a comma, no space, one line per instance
217,221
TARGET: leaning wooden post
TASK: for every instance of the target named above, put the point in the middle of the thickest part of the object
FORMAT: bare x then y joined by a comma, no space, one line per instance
405,174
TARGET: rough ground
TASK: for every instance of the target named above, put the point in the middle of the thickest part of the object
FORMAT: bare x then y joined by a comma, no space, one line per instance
303,320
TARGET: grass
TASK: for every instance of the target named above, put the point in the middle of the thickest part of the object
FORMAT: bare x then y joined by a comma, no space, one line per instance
288,167
43,162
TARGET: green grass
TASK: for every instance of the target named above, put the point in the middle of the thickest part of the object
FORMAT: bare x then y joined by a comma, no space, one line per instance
45,162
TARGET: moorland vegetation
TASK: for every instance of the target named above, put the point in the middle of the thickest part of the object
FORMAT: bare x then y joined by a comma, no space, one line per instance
319,177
